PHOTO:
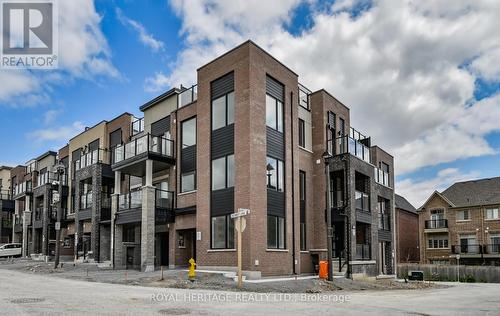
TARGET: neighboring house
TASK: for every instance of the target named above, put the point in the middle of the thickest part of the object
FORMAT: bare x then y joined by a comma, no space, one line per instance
6,206
248,135
407,238
462,220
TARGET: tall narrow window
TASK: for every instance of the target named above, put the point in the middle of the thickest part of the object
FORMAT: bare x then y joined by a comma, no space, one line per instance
275,174
222,232
223,172
302,133
275,232
274,113
302,195
189,132
188,181
223,111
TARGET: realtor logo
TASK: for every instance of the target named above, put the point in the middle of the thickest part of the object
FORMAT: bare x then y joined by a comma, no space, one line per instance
29,34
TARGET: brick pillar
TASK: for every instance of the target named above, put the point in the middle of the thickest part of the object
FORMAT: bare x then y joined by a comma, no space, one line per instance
172,246
26,222
96,210
114,209
148,229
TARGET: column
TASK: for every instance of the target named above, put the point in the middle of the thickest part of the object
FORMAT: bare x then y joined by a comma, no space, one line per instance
26,222
148,221
114,209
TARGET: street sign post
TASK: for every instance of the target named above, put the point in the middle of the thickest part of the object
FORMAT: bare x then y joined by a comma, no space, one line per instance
240,225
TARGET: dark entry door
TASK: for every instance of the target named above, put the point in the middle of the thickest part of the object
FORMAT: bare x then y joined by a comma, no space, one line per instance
164,249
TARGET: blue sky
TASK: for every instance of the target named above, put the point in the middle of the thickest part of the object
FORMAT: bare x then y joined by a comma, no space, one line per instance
411,79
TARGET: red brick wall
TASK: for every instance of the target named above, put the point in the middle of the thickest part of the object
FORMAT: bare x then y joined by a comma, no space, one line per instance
407,236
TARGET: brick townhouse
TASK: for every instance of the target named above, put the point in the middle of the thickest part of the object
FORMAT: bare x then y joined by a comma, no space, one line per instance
462,220
246,135
407,234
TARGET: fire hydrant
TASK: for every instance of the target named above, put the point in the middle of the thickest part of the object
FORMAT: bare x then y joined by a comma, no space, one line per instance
191,272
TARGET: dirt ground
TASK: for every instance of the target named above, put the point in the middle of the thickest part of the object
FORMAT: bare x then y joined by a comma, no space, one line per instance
214,281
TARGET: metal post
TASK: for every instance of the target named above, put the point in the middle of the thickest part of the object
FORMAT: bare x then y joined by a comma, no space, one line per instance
240,226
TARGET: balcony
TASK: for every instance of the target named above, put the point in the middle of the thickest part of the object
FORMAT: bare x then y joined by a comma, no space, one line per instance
91,158
46,178
363,252
130,200
188,96
382,177
131,157
467,249
22,189
164,206
436,224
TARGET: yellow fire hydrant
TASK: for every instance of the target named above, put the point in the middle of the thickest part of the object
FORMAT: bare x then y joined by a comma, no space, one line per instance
191,272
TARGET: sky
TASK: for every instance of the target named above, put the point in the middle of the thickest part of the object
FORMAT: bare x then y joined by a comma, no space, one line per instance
422,78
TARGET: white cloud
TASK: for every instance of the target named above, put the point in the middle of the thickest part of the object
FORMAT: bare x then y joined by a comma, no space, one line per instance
56,134
407,69
50,116
418,191
146,38
83,53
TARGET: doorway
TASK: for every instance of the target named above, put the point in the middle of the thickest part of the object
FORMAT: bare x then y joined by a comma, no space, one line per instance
161,249
382,255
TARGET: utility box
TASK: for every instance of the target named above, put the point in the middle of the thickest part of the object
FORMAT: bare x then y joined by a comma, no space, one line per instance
416,275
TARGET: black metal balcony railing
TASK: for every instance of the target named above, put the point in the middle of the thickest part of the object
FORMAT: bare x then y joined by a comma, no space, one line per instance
493,249
472,249
137,126
188,96
130,200
436,223
38,214
5,195
24,187
141,145
46,178
105,201
91,158
164,204
384,221
363,251
86,201
362,201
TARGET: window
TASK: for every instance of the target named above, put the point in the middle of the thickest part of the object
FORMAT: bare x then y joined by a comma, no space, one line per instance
302,195
275,174
275,232
463,215
181,242
189,132
492,213
468,244
222,232
223,172
438,242
129,233
188,181
223,111
302,133
274,113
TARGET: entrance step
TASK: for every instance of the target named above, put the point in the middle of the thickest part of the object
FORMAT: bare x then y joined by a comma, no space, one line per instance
104,265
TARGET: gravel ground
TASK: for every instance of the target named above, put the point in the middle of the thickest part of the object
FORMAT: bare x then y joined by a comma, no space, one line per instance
211,281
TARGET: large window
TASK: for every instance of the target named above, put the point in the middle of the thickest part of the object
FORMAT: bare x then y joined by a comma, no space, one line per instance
222,232
274,113
275,174
437,242
302,133
275,232
463,215
189,132
188,181
223,111
223,172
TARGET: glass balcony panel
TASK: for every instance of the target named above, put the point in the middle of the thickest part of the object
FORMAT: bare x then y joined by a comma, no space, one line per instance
136,199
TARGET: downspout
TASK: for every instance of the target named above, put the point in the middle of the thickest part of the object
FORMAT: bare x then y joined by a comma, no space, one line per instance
293,188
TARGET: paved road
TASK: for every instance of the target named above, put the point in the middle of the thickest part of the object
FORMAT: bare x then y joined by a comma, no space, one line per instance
26,294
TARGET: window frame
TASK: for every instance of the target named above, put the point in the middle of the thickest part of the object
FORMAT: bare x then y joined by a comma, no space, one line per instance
280,232
227,221
495,210
183,133
463,219
302,133
279,116
226,110
182,181
277,174
226,172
